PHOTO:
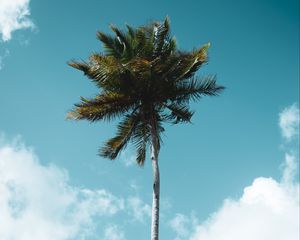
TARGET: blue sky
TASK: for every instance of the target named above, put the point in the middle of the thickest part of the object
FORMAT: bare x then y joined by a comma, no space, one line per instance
234,139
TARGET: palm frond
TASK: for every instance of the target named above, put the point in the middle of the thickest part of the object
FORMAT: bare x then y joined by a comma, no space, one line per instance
104,107
178,65
140,138
145,44
112,147
195,88
179,113
111,45
161,34
207,85
168,48
127,40
200,59
99,69
131,31
82,66
141,153
120,35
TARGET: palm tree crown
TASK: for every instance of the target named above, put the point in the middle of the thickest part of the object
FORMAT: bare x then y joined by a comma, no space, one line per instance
144,80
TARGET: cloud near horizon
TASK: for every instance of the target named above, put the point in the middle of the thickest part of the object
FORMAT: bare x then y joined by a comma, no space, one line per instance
33,194
37,202
268,209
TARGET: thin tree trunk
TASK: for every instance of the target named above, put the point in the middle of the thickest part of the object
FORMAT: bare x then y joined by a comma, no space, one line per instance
156,188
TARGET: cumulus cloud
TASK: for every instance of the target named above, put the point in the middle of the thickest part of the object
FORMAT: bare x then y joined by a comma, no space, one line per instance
268,209
182,225
289,122
113,232
14,15
38,202
290,169
138,209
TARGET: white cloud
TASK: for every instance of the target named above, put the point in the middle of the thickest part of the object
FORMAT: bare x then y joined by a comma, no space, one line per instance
138,209
37,201
268,209
290,169
14,15
178,224
113,232
182,224
289,122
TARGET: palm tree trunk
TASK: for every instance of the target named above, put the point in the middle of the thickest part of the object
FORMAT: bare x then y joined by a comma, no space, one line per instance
156,188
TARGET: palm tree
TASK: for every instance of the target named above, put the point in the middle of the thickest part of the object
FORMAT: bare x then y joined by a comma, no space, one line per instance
144,80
